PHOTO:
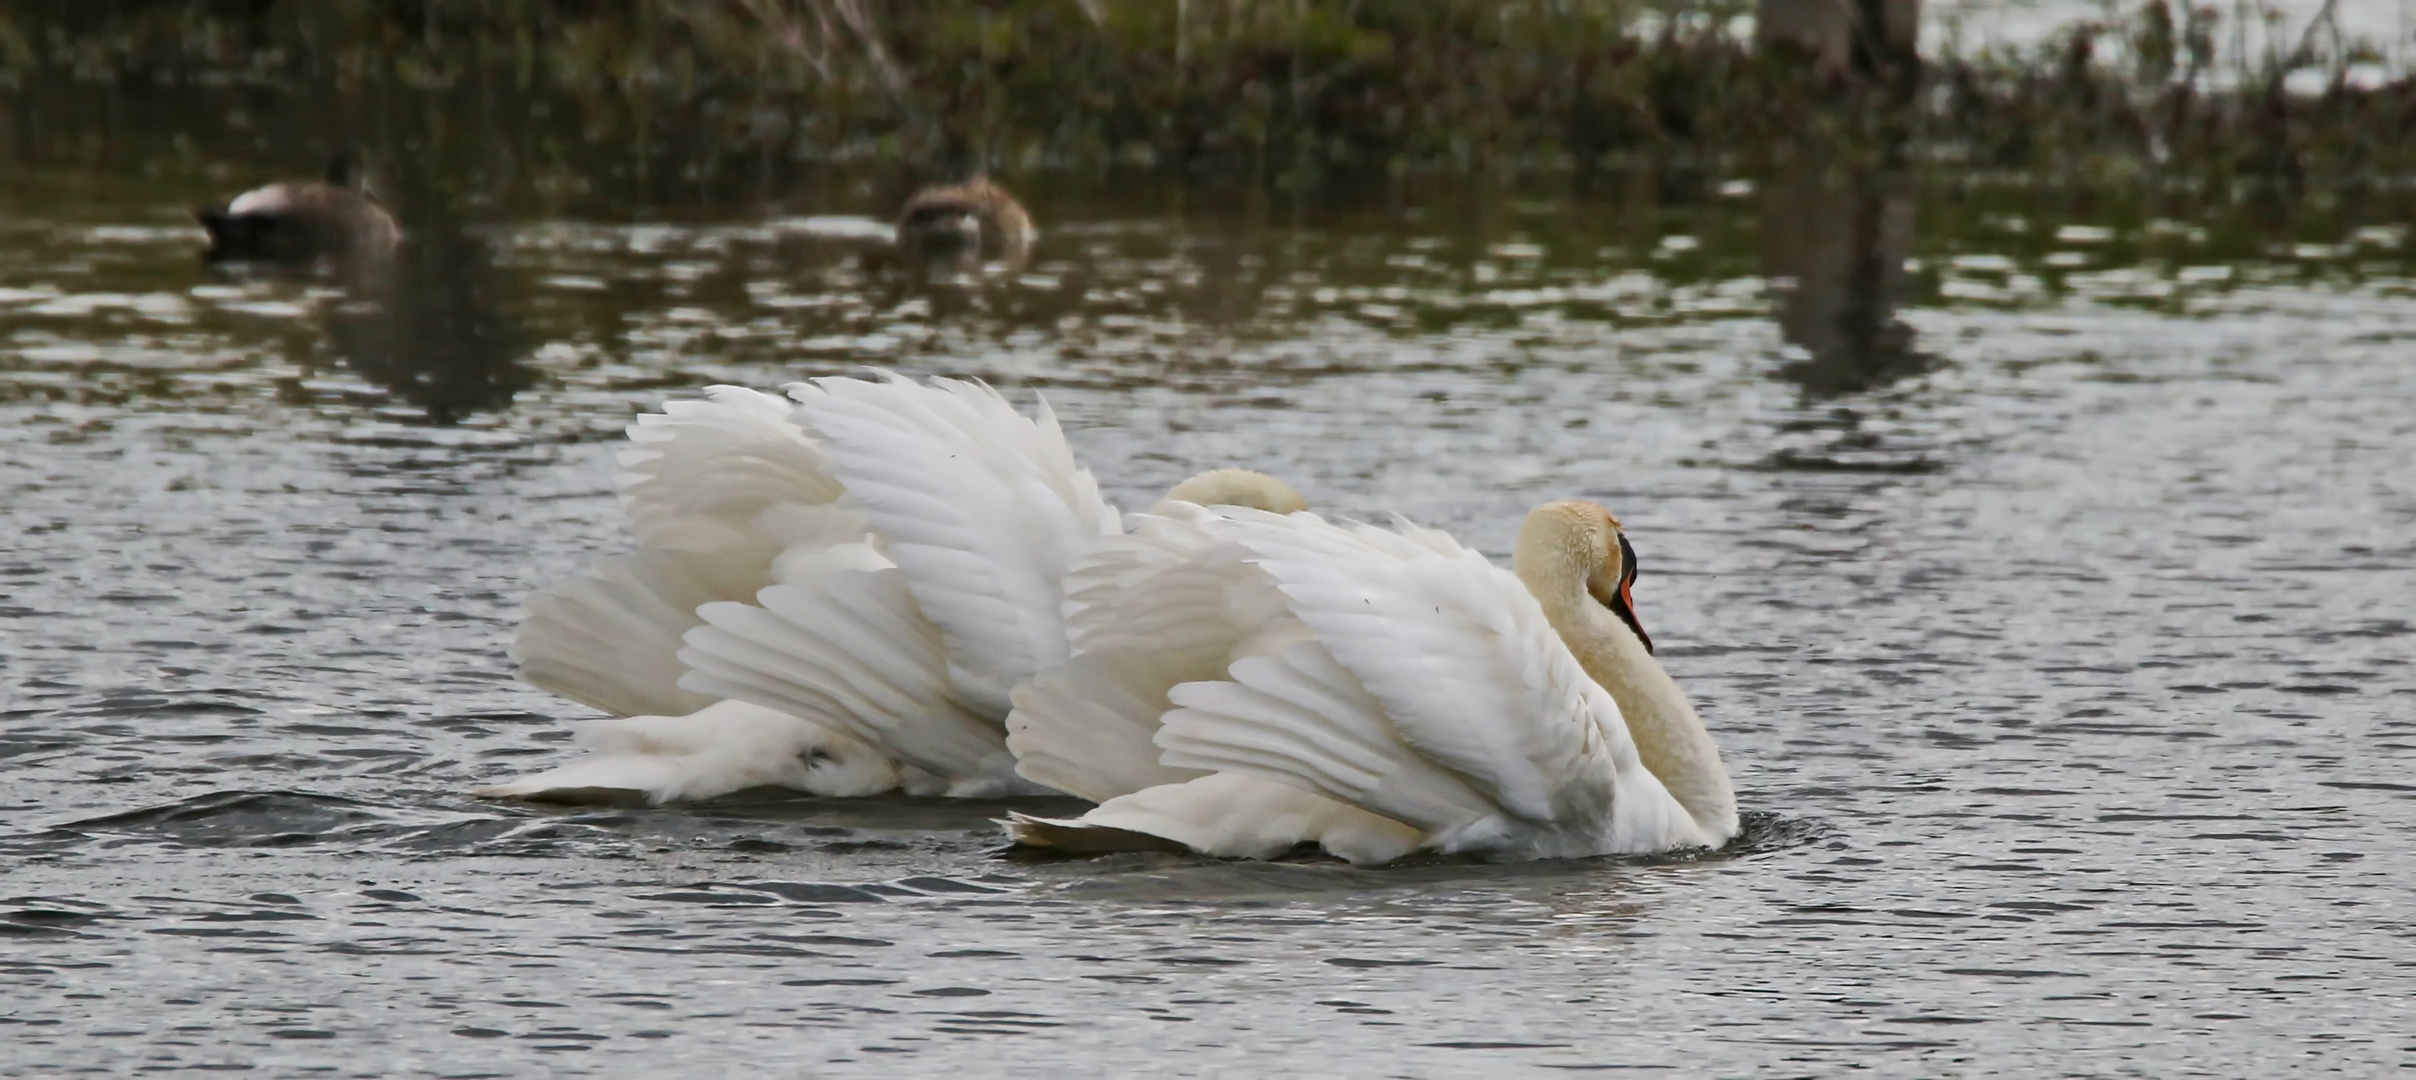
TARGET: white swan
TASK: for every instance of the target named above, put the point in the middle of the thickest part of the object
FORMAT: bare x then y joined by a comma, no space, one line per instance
835,597
1406,693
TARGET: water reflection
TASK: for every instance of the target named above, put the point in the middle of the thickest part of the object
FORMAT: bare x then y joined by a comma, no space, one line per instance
1839,250
99,296
257,652
427,325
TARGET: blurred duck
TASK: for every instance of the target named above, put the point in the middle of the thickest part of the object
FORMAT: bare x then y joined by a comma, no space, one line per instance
302,220
960,226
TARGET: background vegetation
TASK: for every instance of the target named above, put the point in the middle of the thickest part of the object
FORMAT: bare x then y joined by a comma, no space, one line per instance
545,99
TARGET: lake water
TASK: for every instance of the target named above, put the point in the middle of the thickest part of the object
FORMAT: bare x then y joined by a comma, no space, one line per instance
2041,559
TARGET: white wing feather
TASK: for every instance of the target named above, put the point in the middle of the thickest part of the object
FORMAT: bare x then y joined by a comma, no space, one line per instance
1460,654
1297,717
1164,604
982,508
847,649
1176,586
698,476
1431,689
1084,727
609,636
716,491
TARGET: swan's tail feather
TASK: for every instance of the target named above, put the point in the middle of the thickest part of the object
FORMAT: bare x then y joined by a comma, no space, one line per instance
609,636
725,747
1225,815
1084,727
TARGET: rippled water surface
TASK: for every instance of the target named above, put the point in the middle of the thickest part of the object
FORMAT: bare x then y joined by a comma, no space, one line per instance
2042,563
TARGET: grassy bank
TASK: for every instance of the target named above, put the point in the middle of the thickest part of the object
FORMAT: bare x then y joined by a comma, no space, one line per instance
547,96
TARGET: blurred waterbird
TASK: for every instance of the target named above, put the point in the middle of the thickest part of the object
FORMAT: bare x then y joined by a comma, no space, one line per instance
298,221
961,226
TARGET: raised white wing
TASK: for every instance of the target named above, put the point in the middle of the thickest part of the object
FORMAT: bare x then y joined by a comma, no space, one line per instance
1085,727
1176,586
1430,670
699,477
982,509
1164,604
846,648
1462,657
716,490
609,636
1294,716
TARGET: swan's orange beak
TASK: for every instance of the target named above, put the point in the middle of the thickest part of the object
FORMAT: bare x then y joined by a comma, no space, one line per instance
1621,601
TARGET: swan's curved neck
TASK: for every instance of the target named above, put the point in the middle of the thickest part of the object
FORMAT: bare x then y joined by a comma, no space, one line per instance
1669,736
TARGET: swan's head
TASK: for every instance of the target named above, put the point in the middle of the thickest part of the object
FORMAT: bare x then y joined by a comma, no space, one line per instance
1573,539
1239,487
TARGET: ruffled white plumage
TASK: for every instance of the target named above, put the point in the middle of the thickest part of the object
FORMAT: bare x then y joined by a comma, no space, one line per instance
884,561
1436,693
1086,727
1438,639
609,635
849,650
981,508
1402,675
1161,605
1173,602
725,496
975,512
704,484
